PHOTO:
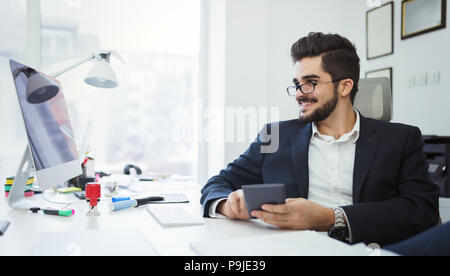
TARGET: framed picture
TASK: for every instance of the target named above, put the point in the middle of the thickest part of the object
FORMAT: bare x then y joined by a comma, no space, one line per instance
423,16
380,31
385,72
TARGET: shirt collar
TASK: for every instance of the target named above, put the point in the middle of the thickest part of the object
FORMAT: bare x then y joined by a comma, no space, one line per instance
353,135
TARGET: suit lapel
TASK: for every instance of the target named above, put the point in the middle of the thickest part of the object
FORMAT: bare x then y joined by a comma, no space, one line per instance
300,147
366,147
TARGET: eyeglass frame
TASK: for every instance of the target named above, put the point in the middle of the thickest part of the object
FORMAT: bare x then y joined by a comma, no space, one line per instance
297,87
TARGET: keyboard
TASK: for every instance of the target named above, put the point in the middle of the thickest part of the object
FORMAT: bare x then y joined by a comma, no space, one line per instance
169,215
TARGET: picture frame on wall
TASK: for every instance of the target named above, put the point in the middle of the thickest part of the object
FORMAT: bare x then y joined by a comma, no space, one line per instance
384,72
423,16
380,31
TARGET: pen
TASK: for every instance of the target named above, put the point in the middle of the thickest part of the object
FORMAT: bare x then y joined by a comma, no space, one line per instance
117,199
147,200
54,212
85,161
63,213
124,204
145,179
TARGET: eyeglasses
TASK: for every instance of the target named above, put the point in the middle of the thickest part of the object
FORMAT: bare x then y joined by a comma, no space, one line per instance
309,87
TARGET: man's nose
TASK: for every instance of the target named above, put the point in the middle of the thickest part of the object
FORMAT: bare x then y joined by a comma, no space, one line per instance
299,94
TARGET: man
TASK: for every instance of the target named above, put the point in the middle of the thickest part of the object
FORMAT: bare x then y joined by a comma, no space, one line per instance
433,242
360,179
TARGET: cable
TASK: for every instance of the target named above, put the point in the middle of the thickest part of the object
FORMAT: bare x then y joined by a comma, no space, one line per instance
67,204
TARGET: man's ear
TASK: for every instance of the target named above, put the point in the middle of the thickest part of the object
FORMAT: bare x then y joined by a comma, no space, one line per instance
345,87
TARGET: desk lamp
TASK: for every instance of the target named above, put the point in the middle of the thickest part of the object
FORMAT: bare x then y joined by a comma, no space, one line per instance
101,75
41,88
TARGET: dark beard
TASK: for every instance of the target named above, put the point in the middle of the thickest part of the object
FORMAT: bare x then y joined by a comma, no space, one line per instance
321,113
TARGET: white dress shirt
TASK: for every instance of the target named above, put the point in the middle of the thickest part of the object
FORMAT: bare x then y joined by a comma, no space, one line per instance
330,163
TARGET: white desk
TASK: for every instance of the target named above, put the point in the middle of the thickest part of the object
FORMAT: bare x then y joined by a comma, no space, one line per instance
26,226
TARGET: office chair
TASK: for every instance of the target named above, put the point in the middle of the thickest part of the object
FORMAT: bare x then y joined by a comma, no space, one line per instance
374,98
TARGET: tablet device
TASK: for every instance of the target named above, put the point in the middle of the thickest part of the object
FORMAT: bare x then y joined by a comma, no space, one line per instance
258,194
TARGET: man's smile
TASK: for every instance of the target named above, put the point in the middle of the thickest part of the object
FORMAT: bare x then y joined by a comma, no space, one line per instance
306,103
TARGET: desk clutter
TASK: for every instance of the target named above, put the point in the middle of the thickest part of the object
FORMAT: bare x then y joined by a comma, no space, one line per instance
119,191
29,192
54,212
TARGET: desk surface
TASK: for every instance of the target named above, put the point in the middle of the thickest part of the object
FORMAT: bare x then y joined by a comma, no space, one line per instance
26,226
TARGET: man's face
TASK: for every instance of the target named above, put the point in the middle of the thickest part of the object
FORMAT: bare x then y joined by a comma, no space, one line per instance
317,106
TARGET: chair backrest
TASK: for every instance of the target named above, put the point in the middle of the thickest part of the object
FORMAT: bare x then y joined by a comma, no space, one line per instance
374,98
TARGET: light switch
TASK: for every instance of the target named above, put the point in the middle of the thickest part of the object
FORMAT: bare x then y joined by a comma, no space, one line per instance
436,78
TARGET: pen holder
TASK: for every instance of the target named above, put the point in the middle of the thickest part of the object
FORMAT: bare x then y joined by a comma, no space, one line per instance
81,181
29,192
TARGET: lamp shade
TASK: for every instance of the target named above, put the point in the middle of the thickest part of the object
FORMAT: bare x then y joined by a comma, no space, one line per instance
102,75
40,88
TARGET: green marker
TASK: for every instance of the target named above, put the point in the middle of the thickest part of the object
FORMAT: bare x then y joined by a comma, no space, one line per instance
63,213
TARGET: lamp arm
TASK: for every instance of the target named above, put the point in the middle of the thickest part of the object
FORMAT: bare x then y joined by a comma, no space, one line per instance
57,74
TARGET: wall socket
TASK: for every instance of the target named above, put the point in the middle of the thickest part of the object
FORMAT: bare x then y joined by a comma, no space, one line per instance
424,79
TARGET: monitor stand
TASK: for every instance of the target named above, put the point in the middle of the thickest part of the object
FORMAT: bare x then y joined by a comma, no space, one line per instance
16,198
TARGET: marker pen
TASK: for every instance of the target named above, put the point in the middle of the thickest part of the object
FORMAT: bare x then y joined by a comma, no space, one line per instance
54,212
124,204
63,213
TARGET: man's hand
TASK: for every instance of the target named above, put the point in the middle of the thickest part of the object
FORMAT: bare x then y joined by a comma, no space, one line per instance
234,207
297,214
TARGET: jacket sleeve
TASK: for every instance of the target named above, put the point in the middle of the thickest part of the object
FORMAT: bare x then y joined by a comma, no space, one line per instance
414,210
247,169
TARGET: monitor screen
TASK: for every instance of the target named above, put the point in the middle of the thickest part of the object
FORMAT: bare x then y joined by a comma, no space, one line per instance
47,122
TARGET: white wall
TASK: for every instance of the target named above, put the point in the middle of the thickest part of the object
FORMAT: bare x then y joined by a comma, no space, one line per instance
247,68
260,33
424,106
236,52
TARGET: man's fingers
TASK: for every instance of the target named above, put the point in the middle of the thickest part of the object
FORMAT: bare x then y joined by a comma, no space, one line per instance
270,216
280,224
276,208
243,206
273,219
234,204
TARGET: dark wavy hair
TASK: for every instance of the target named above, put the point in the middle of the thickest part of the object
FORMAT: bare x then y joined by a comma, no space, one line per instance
339,57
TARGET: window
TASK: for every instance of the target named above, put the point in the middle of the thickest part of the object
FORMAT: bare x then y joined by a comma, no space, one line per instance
13,34
137,122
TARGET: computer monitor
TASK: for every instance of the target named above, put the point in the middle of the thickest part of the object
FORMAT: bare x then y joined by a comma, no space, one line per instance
51,147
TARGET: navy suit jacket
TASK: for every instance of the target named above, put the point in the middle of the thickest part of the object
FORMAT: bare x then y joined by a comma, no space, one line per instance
393,196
